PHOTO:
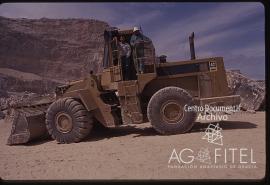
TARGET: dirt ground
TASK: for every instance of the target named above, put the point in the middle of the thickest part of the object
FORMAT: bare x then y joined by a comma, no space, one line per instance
138,152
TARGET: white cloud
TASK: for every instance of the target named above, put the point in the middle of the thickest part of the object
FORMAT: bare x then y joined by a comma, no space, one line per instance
137,20
255,49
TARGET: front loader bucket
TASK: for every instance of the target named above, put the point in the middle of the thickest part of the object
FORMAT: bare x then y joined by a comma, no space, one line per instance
28,124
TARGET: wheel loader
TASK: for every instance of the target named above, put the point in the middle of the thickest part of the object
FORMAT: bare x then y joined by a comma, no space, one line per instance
158,95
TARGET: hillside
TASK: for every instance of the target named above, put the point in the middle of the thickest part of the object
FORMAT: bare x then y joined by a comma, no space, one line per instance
59,49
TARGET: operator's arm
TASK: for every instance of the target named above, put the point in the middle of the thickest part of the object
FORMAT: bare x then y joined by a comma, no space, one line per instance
128,50
132,40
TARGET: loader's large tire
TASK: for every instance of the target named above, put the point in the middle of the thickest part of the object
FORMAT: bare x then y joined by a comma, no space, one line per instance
166,112
68,121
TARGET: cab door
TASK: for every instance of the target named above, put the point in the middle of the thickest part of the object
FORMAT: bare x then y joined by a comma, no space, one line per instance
115,69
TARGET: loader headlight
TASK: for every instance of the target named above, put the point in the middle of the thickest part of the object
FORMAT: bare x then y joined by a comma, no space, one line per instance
59,90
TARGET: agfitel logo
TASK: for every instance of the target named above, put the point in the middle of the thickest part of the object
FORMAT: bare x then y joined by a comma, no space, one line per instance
222,157
213,134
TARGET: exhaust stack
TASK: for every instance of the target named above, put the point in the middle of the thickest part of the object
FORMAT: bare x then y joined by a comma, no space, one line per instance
191,45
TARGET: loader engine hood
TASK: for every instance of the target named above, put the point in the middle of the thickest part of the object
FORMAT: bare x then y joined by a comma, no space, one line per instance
209,74
195,66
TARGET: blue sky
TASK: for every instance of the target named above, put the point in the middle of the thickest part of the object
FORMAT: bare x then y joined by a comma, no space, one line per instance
234,31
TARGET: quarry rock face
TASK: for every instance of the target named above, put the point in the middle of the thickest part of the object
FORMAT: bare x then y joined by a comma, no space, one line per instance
58,49
252,92
17,81
3,86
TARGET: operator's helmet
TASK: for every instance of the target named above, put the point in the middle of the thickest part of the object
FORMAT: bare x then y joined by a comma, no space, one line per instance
136,29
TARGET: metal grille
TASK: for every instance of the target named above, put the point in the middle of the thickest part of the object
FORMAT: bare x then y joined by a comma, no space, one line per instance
147,55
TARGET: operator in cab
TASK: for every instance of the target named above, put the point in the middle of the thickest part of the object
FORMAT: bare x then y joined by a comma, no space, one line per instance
125,52
137,42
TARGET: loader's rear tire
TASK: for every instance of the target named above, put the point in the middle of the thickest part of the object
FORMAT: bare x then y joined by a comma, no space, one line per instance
68,121
166,113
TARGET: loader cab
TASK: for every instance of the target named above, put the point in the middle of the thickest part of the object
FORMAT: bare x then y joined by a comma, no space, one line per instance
112,65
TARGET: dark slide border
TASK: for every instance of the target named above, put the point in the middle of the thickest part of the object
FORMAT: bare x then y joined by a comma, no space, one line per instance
266,180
